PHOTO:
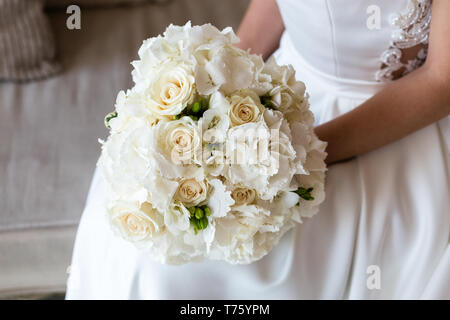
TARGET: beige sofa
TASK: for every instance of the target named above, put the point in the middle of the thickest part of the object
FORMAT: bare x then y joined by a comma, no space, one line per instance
49,131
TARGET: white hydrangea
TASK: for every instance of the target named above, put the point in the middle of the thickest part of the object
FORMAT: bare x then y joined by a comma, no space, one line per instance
212,153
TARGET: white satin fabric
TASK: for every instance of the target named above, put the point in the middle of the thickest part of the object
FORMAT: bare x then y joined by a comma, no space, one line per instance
341,39
388,208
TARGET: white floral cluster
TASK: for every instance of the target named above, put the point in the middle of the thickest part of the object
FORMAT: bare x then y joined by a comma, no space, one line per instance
176,186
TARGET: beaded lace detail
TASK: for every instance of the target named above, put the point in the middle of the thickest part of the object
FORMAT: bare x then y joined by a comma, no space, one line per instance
413,26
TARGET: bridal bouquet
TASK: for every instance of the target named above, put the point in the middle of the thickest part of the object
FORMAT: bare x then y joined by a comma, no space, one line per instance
212,153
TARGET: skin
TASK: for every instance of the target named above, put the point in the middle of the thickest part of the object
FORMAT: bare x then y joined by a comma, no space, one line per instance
406,105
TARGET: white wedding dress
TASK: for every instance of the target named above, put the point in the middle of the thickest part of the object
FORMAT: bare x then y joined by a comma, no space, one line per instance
387,212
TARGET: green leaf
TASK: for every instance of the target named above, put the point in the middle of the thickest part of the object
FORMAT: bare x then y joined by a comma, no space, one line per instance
108,118
195,110
304,193
204,104
266,101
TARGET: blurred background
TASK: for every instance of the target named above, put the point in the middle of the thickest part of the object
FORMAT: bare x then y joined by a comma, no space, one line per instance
56,86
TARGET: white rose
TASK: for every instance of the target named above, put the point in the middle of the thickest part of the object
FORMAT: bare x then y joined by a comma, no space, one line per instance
136,223
243,196
176,142
170,89
182,138
245,108
191,192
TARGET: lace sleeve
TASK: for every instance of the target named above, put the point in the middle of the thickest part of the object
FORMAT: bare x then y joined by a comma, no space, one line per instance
412,29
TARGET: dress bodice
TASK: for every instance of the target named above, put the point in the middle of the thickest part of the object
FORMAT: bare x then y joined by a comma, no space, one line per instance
358,39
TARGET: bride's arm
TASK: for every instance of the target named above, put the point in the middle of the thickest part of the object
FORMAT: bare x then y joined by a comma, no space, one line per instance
404,106
261,28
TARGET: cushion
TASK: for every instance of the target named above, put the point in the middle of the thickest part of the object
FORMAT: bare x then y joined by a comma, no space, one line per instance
96,3
27,49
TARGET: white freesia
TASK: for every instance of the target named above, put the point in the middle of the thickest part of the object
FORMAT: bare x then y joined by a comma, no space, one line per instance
176,218
212,152
309,208
215,125
282,203
215,121
214,159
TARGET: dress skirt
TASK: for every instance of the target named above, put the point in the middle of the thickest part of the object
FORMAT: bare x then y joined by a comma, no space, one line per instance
382,233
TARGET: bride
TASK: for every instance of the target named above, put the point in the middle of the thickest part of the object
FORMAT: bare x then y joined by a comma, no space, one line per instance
378,75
